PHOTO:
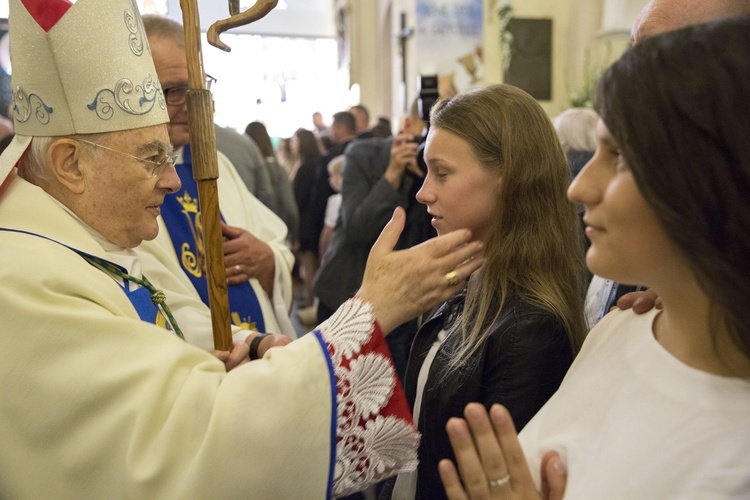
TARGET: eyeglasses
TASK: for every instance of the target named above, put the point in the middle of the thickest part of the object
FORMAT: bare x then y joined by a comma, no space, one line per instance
176,96
156,166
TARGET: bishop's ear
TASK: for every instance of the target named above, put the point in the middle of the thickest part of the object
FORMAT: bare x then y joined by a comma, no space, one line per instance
66,158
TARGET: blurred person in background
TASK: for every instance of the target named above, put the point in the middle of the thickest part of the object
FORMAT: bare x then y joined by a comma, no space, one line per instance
306,150
287,206
362,121
285,157
335,168
382,129
247,159
576,128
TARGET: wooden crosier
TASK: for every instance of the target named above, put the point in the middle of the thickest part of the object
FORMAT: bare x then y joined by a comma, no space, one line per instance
203,149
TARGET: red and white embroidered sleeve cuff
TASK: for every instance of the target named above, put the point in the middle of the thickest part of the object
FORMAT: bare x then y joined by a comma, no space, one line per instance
376,437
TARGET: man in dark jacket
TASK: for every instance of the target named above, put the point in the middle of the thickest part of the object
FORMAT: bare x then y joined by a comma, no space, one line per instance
342,132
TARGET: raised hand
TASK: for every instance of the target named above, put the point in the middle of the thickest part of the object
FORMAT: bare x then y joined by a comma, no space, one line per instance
491,460
403,158
401,285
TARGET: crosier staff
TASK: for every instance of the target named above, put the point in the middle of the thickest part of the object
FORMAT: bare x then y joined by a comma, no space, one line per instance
205,161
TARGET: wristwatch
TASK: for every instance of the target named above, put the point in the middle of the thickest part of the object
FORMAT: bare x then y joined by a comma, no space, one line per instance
255,343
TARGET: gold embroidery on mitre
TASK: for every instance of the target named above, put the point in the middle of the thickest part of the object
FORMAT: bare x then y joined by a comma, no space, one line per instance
193,260
243,323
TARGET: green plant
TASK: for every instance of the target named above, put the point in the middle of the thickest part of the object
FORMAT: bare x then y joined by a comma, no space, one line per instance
505,15
585,97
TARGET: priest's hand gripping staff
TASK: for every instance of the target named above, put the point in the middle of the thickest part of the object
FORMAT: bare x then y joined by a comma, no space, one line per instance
203,144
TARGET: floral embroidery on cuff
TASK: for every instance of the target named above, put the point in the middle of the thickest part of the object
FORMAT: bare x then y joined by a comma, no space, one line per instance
371,446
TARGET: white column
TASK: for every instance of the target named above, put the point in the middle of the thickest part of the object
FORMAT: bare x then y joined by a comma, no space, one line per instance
371,53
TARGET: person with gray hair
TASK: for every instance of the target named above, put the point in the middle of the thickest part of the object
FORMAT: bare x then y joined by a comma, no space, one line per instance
244,156
576,128
661,16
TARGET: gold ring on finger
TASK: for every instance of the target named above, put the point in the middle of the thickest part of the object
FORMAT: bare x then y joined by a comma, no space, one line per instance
451,278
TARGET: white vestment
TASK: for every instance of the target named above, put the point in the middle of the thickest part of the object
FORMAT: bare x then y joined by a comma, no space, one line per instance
95,403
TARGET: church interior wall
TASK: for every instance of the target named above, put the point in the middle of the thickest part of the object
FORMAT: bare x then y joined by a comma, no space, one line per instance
587,35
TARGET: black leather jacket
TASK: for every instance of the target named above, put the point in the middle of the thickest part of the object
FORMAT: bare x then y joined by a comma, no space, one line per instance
520,366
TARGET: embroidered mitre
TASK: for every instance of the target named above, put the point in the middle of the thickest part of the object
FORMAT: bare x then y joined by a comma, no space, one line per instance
79,69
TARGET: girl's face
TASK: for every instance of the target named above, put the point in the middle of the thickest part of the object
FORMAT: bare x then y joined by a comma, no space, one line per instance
628,243
459,192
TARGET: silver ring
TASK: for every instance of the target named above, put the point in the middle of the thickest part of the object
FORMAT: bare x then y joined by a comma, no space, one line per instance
237,268
499,482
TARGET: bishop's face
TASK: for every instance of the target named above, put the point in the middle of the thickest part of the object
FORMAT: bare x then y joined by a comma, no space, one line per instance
122,198
171,68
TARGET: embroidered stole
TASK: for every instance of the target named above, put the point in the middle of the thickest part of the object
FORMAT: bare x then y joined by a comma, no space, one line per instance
181,213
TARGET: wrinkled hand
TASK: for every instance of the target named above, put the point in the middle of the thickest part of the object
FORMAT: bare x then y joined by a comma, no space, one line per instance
403,158
238,356
491,452
401,285
274,340
245,257
640,302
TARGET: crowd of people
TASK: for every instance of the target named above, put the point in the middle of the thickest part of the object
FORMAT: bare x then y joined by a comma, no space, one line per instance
459,280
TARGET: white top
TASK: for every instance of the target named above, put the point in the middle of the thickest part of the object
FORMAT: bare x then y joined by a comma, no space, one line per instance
597,297
406,483
632,421
333,207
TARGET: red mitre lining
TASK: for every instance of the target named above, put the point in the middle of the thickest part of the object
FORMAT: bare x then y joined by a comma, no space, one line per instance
47,12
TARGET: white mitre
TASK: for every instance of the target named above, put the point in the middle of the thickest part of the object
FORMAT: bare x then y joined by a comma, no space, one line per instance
79,68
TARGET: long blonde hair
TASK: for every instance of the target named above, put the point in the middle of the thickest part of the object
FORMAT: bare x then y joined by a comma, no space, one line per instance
535,249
